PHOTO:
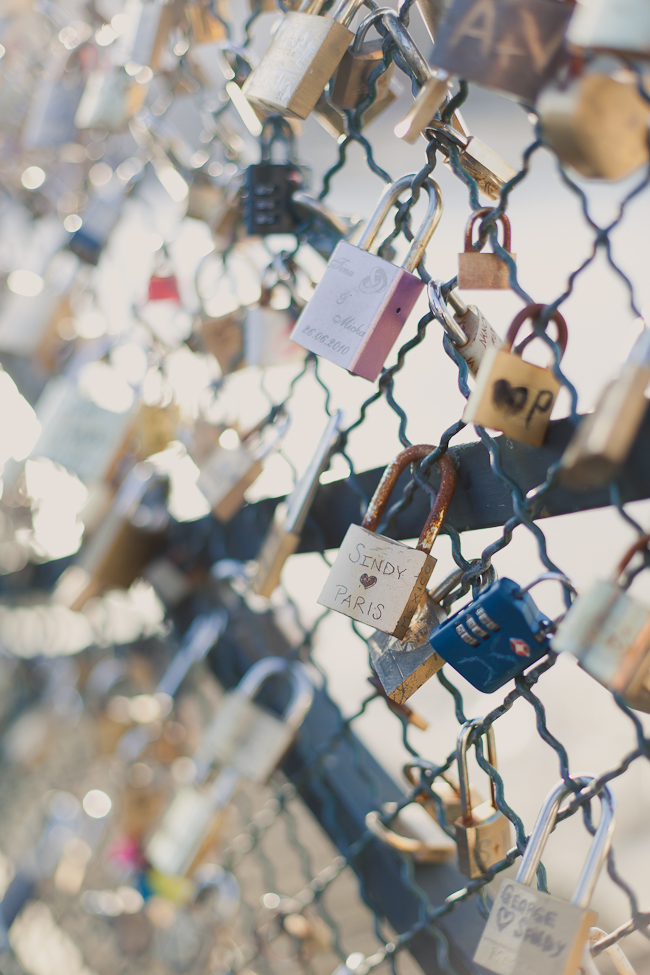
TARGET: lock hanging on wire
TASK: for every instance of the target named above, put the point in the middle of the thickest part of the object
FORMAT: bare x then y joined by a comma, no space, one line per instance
466,325
349,85
476,269
269,186
362,301
413,830
531,931
367,560
444,789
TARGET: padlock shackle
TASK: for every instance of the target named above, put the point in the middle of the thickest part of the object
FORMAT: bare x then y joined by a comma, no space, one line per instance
365,26
545,824
463,772
406,47
423,764
640,544
441,314
389,479
309,7
280,131
344,11
425,231
302,687
479,214
532,312
549,576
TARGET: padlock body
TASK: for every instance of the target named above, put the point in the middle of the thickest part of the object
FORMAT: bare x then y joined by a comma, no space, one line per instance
172,847
267,337
513,396
301,59
404,665
357,311
480,337
224,338
247,737
267,201
377,580
224,478
532,933
515,49
608,632
276,549
415,823
205,28
490,171
484,843
350,84
483,271
622,26
494,638
597,124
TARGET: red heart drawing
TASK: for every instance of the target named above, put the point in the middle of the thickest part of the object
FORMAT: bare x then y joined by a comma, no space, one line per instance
367,581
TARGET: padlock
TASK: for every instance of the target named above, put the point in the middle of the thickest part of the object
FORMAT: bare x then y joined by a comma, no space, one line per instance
482,832
516,50
399,709
604,438
496,636
156,428
224,338
514,396
467,329
362,301
205,26
404,665
489,170
267,329
400,573
477,269
349,86
429,100
531,931
614,951
249,742
269,186
446,791
597,124
618,28
283,536
609,632
304,54
111,97
413,831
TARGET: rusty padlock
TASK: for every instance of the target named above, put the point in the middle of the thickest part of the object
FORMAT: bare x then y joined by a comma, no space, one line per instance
477,269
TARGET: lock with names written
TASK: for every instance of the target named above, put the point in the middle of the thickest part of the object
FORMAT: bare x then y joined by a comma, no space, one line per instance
532,931
609,632
246,741
604,438
466,326
514,396
515,49
367,560
362,302
476,269
496,636
482,832
304,54
269,186
283,536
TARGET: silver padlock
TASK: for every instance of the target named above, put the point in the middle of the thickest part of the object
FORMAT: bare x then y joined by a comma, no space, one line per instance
619,26
482,832
531,931
609,632
267,330
362,302
467,328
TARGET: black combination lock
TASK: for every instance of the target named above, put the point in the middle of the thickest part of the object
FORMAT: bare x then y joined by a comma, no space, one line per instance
270,186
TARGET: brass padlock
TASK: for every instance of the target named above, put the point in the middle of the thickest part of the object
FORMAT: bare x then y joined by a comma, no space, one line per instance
482,832
429,100
367,559
490,171
224,338
445,789
156,427
204,26
467,328
604,438
414,831
479,270
514,396
349,85
304,54
597,123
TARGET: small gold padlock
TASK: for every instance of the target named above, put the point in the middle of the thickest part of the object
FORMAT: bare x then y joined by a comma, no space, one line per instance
414,831
446,791
514,396
224,338
350,83
479,270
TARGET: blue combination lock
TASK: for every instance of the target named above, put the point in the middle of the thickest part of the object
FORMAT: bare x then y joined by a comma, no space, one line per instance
495,637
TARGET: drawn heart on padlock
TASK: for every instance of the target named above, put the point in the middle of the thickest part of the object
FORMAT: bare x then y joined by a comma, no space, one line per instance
504,918
511,399
367,581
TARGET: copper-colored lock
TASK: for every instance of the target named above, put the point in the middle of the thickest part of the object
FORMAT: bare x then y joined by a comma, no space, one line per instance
514,396
224,338
479,270
350,83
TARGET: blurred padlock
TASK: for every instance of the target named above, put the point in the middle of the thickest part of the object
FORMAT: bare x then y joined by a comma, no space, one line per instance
466,326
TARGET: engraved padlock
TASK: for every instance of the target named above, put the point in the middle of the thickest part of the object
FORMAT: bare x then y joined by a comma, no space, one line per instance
531,931
476,269
269,186
513,49
609,632
482,832
376,579
303,55
512,395
349,85
362,301
617,28
597,123
412,830
488,169
604,438
466,325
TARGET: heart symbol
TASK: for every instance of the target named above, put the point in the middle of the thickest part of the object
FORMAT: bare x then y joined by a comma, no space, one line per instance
367,581
504,918
510,399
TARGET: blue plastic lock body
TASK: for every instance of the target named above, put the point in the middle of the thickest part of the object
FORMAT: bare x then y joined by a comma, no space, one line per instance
495,637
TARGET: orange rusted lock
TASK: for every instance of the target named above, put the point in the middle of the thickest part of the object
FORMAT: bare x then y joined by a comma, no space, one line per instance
477,269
